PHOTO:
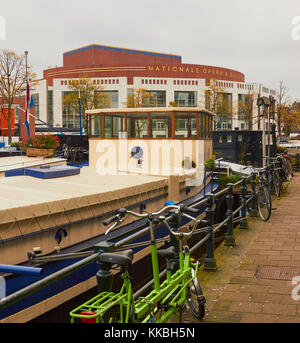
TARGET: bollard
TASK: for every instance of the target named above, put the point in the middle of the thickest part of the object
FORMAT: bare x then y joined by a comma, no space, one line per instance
229,238
210,262
253,212
243,222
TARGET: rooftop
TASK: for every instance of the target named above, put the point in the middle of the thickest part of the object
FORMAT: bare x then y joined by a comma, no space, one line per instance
149,109
113,48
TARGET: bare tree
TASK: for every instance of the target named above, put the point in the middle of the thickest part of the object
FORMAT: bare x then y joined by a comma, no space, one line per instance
211,95
245,109
283,99
12,80
290,118
91,96
217,101
139,98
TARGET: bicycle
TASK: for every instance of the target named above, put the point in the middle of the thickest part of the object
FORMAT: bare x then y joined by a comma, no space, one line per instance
288,165
263,196
286,171
180,286
276,178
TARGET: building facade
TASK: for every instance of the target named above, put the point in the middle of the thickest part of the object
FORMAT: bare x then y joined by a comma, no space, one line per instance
119,72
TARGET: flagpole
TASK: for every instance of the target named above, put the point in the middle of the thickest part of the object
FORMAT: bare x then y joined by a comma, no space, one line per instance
26,113
80,120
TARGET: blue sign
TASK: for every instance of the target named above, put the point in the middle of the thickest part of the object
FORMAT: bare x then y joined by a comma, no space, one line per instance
137,152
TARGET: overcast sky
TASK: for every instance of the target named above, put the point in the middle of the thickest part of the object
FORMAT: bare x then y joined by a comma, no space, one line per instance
251,36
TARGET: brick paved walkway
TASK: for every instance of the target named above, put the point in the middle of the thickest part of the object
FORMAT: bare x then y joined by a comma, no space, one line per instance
236,293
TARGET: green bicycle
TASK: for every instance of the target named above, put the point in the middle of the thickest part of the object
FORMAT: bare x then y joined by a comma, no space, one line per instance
168,297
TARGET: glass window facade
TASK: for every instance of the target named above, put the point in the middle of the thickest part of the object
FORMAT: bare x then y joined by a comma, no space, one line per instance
36,102
224,110
112,100
50,107
70,115
208,101
185,99
185,125
245,108
157,99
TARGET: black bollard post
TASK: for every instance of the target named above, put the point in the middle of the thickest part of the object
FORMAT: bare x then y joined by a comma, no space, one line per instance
210,262
253,212
229,238
243,222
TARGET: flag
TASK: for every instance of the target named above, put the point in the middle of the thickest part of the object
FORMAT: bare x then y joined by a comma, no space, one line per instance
31,104
27,107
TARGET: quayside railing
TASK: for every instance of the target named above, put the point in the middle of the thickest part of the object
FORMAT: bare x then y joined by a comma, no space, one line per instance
232,217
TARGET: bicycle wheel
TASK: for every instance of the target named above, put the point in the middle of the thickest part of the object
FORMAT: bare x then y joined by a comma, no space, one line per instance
195,297
290,168
288,176
277,183
112,315
264,203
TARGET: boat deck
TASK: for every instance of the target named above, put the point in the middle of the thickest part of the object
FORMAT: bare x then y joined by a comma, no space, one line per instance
21,191
9,165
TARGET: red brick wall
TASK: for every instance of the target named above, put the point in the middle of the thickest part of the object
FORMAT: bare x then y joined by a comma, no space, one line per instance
101,61
111,56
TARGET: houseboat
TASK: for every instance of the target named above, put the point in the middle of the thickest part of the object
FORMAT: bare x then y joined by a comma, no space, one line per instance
138,158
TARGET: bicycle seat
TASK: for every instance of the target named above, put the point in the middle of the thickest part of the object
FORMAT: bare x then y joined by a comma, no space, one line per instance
167,253
122,258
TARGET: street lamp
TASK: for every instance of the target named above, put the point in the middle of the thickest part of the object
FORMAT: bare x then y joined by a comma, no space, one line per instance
265,102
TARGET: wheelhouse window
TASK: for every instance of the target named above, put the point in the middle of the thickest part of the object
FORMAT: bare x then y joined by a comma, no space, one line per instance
137,125
146,125
95,126
114,125
185,125
161,125
201,125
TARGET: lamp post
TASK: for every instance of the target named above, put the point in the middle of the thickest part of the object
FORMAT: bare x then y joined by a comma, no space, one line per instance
27,96
265,102
80,118
272,103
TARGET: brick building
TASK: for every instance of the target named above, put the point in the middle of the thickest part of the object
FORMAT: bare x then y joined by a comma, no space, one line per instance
121,71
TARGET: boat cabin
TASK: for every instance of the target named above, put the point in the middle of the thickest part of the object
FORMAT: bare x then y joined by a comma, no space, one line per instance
153,141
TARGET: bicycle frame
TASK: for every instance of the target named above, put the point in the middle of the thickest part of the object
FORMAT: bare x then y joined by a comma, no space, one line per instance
171,294
97,306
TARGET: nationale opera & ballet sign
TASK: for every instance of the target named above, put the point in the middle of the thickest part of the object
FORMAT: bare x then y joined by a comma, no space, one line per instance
202,70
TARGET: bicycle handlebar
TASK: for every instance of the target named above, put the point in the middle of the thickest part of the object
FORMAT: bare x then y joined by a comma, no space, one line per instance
118,218
190,233
111,220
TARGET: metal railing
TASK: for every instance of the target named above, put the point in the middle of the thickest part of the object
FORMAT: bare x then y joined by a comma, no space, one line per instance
233,216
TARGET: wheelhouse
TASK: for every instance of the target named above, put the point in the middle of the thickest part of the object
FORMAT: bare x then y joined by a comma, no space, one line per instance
154,141
151,123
